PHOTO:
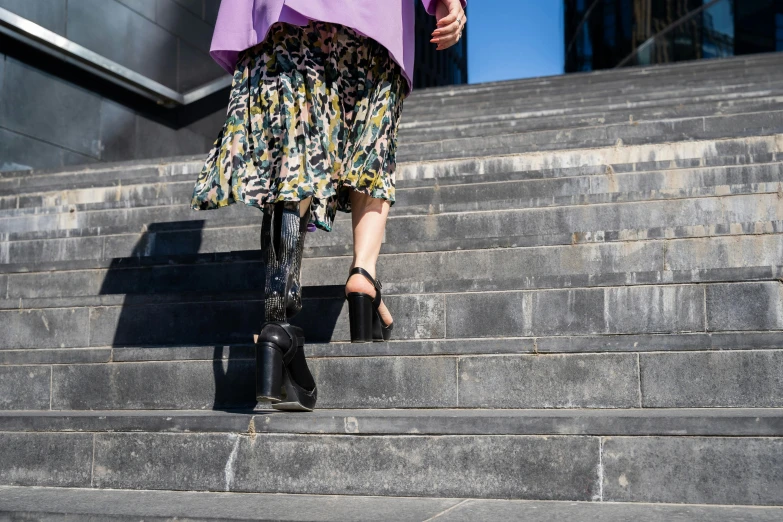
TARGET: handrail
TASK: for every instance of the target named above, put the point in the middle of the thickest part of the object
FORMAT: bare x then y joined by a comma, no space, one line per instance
666,30
30,33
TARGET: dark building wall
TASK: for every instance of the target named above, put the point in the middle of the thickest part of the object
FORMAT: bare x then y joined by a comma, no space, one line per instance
755,26
46,121
601,34
436,68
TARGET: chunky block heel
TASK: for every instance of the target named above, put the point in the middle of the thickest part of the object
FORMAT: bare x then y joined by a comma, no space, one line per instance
364,316
282,375
360,315
269,372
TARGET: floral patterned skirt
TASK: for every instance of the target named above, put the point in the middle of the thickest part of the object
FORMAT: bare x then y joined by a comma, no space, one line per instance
313,112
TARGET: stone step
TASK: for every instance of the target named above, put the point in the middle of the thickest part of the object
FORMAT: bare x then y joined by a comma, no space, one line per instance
726,90
702,260
99,175
492,124
619,79
101,183
627,73
217,319
42,503
723,83
757,213
59,209
636,107
485,192
603,343
635,422
418,196
575,456
587,305
547,132
664,376
13,188
698,128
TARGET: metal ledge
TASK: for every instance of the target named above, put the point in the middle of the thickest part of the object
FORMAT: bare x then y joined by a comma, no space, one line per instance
42,39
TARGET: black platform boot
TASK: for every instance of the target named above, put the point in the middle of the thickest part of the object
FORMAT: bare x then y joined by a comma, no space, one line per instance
282,375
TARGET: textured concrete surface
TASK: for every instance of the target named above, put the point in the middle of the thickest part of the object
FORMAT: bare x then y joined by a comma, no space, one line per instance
746,306
129,505
56,356
501,466
24,387
55,328
724,379
680,469
747,422
46,459
92,207
603,512
681,260
549,381
579,311
156,505
480,466
605,380
343,382
162,461
386,382
529,467
693,470
184,385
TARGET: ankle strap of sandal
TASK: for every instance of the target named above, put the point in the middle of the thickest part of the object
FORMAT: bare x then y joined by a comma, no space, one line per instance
376,283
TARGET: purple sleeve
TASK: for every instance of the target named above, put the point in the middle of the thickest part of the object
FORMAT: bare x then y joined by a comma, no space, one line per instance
430,5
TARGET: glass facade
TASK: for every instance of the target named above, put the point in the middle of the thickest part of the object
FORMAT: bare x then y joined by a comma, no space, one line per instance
435,68
601,34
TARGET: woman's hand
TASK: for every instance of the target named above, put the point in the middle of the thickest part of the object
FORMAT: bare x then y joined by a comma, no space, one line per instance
451,19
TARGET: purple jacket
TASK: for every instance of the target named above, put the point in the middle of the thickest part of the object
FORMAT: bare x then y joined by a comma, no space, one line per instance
241,24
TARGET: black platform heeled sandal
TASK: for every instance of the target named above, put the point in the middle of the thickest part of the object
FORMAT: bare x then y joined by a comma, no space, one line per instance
363,314
278,357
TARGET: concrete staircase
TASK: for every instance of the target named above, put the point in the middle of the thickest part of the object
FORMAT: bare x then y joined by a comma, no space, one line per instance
585,277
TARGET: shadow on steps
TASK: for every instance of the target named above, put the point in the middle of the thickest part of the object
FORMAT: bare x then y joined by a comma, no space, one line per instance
186,302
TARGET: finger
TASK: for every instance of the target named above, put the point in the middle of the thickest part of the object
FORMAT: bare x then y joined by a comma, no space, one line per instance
452,31
454,35
445,43
447,30
449,18
446,20
449,38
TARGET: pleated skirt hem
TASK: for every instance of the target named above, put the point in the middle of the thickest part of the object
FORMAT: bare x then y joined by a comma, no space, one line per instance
313,113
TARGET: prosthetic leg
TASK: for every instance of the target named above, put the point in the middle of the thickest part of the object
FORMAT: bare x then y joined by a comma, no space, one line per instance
282,375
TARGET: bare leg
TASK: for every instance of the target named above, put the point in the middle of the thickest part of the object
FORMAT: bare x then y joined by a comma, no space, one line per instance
368,216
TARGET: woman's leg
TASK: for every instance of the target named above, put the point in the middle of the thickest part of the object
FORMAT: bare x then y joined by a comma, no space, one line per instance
304,205
368,216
